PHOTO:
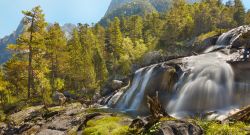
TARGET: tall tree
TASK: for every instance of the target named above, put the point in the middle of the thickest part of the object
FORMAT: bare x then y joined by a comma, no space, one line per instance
114,44
56,46
135,28
239,15
37,32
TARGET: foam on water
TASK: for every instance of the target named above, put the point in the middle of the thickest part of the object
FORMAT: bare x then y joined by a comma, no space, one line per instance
206,87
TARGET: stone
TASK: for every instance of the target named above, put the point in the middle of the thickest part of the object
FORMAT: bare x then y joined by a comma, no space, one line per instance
19,117
59,98
116,84
70,96
50,132
179,128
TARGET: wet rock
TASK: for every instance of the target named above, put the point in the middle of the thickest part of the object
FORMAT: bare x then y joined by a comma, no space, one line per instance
155,107
179,128
116,84
201,45
114,99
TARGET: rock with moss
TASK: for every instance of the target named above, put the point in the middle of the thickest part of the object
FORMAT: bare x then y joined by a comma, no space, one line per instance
108,125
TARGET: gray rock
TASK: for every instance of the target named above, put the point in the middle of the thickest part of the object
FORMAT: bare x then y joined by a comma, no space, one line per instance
50,132
59,98
116,84
179,128
152,57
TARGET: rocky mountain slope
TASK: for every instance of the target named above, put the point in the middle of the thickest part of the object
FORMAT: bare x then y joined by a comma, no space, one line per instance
136,7
11,39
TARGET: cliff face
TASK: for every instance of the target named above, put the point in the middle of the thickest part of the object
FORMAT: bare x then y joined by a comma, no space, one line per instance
10,39
136,7
159,5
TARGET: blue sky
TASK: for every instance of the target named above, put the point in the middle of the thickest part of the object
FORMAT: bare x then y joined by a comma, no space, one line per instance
62,11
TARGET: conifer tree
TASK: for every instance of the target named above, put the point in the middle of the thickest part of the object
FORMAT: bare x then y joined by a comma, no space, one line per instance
87,41
35,43
239,15
56,46
135,28
75,61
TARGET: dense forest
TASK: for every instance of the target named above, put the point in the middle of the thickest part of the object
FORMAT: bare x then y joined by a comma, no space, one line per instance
44,60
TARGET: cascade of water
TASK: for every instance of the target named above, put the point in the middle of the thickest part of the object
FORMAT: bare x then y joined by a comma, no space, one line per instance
133,97
124,101
231,36
225,38
207,87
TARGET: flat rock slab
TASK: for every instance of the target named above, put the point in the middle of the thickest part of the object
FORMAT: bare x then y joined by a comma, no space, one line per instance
50,132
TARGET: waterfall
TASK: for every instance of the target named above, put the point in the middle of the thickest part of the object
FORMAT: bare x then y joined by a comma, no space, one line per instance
207,86
133,97
228,38
206,82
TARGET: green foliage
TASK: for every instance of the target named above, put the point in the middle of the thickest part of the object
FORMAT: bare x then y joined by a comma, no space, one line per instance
239,15
154,129
2,116
214,128
106,126
59,84
44,60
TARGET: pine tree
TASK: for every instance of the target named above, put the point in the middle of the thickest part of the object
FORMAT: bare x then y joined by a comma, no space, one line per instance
239,15
135,28
87,40
35,42
75,62
56,46
100,54
114,45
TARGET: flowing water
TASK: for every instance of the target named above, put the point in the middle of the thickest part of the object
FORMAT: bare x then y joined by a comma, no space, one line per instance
133,97
231,36
207,84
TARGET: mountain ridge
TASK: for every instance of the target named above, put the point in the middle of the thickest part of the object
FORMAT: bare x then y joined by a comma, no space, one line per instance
118,8
11,39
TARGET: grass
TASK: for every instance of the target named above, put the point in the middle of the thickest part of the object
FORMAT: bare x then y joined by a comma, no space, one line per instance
109,125
202,37
215,128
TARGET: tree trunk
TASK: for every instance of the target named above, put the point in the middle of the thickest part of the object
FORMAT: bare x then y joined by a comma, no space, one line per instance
30,70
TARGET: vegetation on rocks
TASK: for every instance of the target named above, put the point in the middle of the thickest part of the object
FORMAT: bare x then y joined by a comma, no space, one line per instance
112,125
45,62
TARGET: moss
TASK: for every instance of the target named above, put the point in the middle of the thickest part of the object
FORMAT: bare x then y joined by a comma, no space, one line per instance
202,37
109,125
215,128
2,116
167,119
56,109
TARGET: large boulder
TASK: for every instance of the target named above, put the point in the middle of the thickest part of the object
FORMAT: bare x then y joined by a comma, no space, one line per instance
116,84
59,98
111,87
179,128
152,57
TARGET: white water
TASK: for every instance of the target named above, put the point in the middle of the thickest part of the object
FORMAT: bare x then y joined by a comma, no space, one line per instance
231,36
206,87
133,97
